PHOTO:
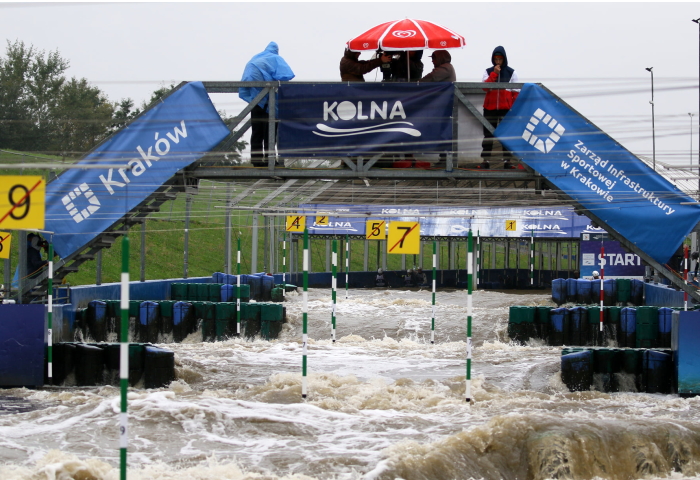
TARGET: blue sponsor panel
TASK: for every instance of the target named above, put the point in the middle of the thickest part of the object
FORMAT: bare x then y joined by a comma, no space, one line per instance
356,119
618,262
550,222
598,173
80,204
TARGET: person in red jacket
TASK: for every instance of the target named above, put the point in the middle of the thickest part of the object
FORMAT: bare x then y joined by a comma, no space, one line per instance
497,102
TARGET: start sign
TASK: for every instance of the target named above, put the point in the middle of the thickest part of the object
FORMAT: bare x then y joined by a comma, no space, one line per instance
404,238
22,202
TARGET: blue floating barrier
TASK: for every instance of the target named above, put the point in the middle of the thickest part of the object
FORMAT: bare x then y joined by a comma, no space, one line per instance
577,370
559,291
628,327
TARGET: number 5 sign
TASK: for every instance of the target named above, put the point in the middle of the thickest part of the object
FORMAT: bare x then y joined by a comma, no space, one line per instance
22,202
5,239
404,238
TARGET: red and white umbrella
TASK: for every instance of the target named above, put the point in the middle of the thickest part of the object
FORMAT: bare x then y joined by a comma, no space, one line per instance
408,34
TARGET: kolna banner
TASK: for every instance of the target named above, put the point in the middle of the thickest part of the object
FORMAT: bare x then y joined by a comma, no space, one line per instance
598,173
362,118
80,204
549,222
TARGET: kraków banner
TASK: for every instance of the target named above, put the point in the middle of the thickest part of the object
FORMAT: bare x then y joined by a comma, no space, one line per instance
80,204
598,173
357,118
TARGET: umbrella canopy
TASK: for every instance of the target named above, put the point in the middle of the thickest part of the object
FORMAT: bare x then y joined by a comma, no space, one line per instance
408,34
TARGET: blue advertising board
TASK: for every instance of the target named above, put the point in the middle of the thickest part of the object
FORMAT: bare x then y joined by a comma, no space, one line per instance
361,118
598,173
80,204
618,262
542,222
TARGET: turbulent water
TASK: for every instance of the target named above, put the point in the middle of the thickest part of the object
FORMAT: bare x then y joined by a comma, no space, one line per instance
383,404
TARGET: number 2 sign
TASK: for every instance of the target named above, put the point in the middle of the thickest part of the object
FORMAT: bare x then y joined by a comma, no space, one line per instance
22,202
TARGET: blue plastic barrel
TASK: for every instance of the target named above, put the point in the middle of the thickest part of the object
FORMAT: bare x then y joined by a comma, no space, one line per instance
578,318
657,369
96,320
217,277
609,292
255,282
559,326
182,320
577,370
583,290
665,321
571,289
628,327
559,291
637,292
229,279
228,293
149,322
268,283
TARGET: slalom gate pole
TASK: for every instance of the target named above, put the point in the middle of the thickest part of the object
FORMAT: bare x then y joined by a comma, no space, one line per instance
478,259
284,265
238,288
532,258
50,319
602,276
470,274
685,275
347,264
124,359
334,286
305,304
432,320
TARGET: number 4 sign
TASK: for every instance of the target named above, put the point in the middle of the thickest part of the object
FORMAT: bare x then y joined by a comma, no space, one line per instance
404,238
22,202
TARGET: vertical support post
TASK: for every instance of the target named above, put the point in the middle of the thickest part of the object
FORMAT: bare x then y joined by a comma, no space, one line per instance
284,264
602,277
334,287
470,270
685,275
347,264
382,246
98,268
365,259
228,229
22,265
266,243
432,320
254,245
143,250
124,358
305,304
50,319
328,256
272,109
188,211
238,288
478,258
532,258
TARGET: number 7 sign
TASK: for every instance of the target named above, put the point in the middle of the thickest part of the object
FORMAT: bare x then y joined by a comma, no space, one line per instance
404,238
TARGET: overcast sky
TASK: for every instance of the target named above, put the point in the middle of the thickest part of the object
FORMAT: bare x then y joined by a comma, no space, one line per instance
593,55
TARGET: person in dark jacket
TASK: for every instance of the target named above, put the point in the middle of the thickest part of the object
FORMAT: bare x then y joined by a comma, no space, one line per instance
399,65
497,102
443,71
35,244
352,68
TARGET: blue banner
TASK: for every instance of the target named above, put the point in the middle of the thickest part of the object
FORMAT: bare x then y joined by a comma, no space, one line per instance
362,118
80,204
598,173
543,222
618,262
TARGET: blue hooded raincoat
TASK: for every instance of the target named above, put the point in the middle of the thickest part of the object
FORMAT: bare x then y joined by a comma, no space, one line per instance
266,66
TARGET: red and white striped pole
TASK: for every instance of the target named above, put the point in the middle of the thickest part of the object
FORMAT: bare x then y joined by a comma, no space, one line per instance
685,275
602,276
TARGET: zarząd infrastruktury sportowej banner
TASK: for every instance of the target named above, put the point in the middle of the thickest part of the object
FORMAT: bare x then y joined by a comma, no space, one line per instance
598,173
80,204
365,118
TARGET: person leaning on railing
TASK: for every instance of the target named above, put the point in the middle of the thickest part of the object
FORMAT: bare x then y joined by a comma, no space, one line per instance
443,71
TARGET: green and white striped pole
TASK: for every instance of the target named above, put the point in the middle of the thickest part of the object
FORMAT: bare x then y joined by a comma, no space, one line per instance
124,359
305,305
238,288
432,321
50,332
284,265
478,259
347,264
470,247
334,286
532,258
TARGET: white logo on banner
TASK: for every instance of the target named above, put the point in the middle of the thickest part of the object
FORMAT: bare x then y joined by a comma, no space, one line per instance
347,110
80,215
404,33
557,131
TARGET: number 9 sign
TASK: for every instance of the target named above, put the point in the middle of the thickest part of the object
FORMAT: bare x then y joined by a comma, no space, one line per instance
22,202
